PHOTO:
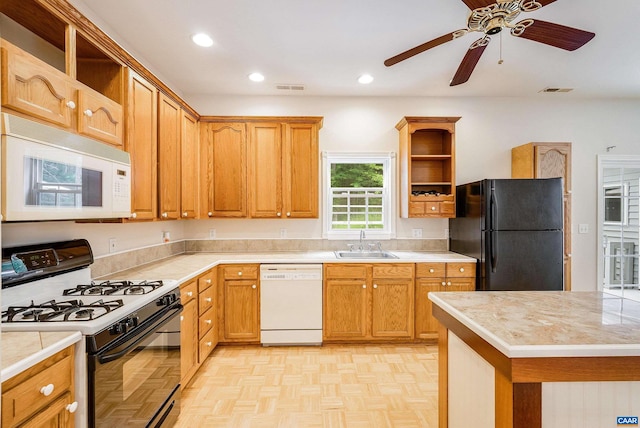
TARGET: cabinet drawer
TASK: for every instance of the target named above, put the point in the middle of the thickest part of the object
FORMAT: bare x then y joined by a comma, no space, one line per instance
206,281
430,270
393,271
205,322
188,292
447,207
205,300
241,272
207,343
355,271
461,270
26,397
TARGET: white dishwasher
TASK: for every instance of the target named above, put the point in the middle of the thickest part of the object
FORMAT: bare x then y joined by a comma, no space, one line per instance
291,304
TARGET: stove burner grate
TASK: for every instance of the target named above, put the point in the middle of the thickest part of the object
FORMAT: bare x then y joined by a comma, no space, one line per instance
70,310
107,288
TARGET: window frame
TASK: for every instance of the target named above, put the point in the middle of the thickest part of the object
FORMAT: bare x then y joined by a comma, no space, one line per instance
624,203
388,160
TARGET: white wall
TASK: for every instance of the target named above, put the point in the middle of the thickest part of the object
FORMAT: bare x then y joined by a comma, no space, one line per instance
489,127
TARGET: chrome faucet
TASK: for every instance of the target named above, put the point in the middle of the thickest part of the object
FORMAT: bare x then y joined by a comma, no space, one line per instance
361,235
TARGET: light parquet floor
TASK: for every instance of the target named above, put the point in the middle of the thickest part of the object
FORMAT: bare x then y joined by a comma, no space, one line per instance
330,386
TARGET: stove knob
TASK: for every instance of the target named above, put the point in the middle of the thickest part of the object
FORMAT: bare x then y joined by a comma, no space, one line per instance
132,322
118,328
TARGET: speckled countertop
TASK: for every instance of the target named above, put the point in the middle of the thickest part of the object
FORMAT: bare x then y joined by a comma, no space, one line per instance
186,266
21,350
548,323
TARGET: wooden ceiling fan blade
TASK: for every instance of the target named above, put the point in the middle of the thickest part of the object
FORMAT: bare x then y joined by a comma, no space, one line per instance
424,47
475,4
470,61
559,36
545,2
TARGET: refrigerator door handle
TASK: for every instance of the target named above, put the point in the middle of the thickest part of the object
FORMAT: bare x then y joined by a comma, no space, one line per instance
493,248
493,207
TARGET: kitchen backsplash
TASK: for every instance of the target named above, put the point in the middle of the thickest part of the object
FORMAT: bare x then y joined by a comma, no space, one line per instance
113,263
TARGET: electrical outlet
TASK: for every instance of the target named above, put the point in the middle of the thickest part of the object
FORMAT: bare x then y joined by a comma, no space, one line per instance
416,233
283,233
113,245
212,234
583,228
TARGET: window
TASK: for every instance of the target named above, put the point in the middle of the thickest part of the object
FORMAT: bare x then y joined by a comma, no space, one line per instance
358,190
615,203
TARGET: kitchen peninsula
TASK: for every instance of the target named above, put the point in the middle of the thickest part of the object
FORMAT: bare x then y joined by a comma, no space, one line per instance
537,359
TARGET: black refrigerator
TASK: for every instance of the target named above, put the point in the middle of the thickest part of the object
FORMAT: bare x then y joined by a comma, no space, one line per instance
513,227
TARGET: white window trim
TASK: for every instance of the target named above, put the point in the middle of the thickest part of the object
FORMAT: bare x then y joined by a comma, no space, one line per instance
389,200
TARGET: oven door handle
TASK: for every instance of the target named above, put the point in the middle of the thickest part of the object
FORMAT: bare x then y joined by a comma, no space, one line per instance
138,337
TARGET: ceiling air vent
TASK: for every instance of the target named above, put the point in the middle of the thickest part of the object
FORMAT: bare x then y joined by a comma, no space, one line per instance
557,90
289,87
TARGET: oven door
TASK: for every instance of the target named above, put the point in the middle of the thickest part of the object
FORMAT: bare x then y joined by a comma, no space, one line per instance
136,381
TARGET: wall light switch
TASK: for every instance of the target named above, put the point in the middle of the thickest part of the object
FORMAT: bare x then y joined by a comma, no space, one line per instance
583,228
283,233
212,234
113,245
416,233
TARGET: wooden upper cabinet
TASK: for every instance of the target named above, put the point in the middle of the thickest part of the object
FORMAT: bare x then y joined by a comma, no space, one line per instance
223,157
265,170
32,87
190,167
301,170
427,166
548,160
141,143
100,118
283,168
169,151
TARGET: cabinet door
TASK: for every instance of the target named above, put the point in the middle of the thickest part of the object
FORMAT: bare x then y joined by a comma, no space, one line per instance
426,325
241,311
55,415
265,170
33,87
392,308
141,143
169,119
99,117
300,175
189,340
189,167
224,179
461,284
345,309
554,160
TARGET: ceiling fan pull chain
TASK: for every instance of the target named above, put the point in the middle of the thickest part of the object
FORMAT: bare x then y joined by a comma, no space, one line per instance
500,61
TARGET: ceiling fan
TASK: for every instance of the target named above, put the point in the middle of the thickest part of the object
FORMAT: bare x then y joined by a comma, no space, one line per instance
491,17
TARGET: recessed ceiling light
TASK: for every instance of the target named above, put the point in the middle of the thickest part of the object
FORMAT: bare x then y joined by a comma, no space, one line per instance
202,39
256,77
365,79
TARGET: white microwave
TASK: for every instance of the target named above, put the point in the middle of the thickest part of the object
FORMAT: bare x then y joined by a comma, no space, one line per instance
51,174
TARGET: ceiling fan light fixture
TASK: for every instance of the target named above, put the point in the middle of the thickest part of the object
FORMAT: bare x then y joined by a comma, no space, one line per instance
202,39
256,77
365,79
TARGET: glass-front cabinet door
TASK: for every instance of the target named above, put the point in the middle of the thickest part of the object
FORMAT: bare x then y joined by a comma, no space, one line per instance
619,225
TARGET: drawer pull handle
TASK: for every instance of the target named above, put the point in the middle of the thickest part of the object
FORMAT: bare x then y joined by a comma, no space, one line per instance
47,390
189,293
444,283
209,344
71,408
279,214
208,322
208,281
71,105
181,317
185,214
375,285
239,273
433,208
461,269
364,285
88,113
208,299
432,270
134,215
254,286
449,283
288,214
165,215
210,214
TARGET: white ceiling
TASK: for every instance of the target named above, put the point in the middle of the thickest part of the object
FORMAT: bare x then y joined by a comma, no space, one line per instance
326,44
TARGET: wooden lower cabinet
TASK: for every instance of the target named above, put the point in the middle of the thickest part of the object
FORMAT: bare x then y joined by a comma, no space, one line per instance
368,302
438,277
188,332
239,300
207,319
25,405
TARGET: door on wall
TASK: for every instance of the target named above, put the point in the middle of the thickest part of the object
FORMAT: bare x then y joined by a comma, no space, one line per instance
619,225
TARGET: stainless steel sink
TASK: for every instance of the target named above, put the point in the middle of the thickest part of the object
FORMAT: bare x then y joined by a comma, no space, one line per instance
365,255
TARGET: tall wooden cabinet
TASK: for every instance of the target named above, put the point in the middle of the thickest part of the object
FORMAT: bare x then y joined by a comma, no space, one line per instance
169,151
368,302
427,166
548,160
190,171
141,141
